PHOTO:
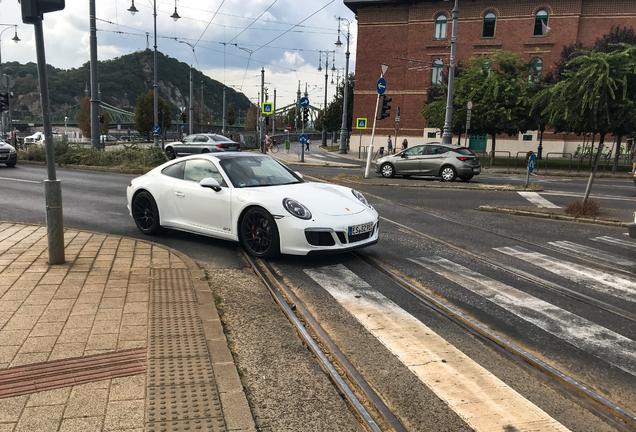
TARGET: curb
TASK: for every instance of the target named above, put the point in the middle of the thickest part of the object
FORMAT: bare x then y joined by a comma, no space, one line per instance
87,167
236,411
453,185
550,215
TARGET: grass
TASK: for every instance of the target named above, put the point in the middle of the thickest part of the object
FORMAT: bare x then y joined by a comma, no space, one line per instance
128,157
555,163
589,209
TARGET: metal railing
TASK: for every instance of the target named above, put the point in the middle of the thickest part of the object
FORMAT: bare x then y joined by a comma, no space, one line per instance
517,158
483,157
494,154
362,151
547,156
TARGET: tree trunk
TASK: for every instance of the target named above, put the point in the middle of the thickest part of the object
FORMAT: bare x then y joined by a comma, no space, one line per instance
594,168
592,149
619,138
492,149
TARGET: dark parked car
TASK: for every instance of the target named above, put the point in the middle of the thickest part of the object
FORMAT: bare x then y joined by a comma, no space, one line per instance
8,155
435,159
200,143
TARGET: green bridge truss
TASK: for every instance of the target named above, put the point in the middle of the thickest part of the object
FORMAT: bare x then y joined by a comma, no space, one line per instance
69,115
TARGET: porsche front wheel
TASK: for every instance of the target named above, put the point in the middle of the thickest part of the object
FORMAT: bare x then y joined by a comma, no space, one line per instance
145,213
259,233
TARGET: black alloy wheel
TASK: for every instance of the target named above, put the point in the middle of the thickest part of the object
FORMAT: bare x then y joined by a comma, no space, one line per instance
145,213
170,153
387,170
259,233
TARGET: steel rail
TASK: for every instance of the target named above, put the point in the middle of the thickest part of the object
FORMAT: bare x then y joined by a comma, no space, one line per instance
474,326
272,280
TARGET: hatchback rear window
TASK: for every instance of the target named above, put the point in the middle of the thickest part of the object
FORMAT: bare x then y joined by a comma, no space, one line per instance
464,151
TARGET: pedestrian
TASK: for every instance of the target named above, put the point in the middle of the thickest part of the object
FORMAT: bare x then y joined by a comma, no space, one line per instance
268,142
633,171
307,144
405,144
389,145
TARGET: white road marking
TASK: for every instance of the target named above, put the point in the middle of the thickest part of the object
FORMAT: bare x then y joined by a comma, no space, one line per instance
20,180
581,195
538,200
625,244
592,252
604,282
603,343
484,401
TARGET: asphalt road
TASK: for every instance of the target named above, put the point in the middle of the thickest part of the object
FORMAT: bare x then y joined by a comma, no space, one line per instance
450,260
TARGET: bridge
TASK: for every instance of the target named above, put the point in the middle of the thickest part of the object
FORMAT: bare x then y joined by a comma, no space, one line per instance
69,115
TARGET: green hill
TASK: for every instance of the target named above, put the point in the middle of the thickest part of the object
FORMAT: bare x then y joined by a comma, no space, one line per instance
121,80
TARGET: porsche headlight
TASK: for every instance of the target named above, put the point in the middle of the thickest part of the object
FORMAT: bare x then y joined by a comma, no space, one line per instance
361,197
296,209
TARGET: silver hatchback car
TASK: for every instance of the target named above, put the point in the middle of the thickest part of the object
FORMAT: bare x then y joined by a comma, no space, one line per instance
435,159
200,143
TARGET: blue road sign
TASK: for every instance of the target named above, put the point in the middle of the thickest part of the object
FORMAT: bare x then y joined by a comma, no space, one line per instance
362,123
304,102
381,86
182,126
303,138
118,122
156,130
398,112
531,162
268,108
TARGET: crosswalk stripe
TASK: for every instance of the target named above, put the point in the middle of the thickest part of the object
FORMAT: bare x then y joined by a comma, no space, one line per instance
599,341
625,244
484,401
604,282
593,253
538,200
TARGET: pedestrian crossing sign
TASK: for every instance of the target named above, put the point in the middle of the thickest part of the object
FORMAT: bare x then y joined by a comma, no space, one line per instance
268,108
362,123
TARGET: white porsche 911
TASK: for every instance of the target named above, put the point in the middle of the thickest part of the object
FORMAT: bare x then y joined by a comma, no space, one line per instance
254,199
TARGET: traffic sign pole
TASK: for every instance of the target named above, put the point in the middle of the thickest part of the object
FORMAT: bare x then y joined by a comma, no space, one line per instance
367,171
304,102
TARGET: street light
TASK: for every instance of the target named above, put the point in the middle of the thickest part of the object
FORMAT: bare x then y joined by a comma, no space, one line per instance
132,9
333,59
447,136
15,39
343,130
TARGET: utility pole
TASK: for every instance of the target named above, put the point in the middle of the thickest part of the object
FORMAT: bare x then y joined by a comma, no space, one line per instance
191,105
274,115
224,109
261,136
95,126
447,136
201,110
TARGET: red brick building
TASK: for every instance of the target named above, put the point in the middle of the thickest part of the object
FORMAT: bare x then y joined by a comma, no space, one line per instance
421,30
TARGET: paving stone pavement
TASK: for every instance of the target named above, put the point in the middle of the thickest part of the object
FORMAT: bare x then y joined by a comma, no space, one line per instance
112,295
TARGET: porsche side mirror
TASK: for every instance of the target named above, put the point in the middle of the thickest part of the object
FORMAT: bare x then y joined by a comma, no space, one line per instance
211,183
298,174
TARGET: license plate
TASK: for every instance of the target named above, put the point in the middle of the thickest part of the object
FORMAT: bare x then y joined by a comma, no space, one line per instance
476,170
233,148
360,229
4,156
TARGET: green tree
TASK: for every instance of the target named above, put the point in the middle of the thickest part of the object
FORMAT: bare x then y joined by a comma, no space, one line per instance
144,114
318,120
250,120
333,116
83,117
498,87
231,115
104,126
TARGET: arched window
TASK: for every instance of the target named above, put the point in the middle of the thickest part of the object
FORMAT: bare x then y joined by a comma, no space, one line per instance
536,65
438,72
488,30
440,26
541,23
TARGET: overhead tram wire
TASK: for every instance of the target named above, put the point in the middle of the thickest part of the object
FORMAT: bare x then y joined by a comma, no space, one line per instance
210,22
256,19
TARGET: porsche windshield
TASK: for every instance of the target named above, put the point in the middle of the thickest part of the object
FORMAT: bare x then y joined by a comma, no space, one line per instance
257,171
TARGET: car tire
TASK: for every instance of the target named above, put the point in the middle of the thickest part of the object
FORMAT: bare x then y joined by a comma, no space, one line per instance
170,154
145,213
387,170
205,151
466,177
448,173
11,164
258,233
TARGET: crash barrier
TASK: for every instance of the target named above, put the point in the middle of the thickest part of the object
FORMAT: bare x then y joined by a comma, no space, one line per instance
547,156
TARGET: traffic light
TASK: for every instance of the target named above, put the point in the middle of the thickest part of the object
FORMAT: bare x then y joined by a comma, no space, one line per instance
184,118
33,10
101,119
305,115
4,102
385,107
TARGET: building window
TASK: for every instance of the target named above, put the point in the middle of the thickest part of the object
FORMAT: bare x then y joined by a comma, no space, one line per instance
488,30
440,26
536,65
432,134
541,23
527,137
438,72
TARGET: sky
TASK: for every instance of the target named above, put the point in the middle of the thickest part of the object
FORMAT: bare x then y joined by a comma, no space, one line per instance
232,39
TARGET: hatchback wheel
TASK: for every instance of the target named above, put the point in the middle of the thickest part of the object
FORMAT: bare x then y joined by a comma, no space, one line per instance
448,173
387,170
170,153
259,233
145,213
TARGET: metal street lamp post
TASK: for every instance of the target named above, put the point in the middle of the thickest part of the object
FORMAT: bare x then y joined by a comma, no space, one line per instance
447,136
15,39
333,67
133,10
343,130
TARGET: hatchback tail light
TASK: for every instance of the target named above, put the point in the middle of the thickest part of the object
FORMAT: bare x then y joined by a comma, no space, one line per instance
464,158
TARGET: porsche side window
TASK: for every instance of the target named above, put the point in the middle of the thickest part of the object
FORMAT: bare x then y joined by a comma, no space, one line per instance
174,170
198,169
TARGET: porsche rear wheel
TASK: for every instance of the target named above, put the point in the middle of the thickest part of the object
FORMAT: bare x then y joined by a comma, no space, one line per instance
170,153
145,213
259,233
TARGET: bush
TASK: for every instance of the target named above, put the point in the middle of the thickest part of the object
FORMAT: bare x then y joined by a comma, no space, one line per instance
589,209
131,157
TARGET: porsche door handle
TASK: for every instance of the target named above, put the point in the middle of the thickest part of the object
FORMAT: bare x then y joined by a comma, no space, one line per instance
180,194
